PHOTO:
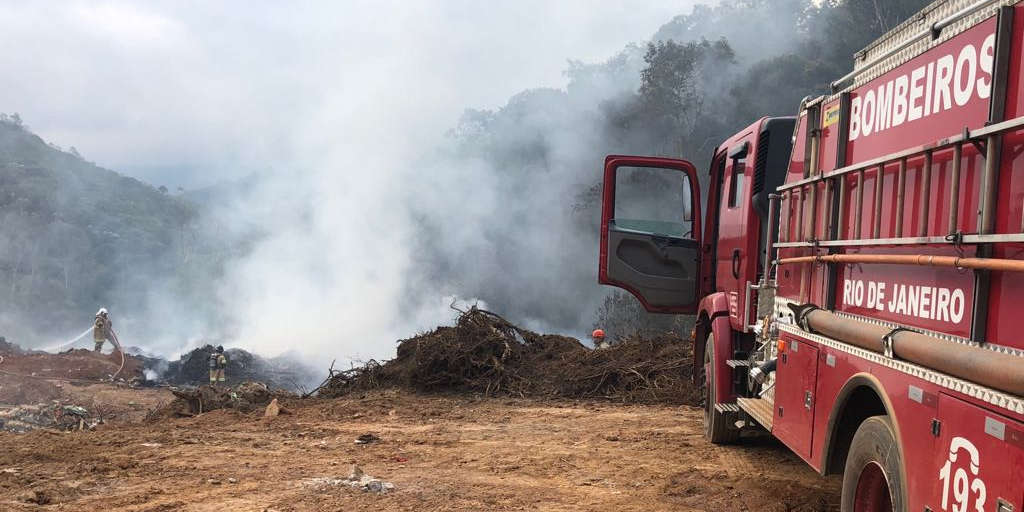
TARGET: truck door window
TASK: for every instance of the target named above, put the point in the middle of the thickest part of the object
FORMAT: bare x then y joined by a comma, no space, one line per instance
736,182
653,200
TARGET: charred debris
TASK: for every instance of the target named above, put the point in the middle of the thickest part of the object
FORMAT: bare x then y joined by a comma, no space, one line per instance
282,372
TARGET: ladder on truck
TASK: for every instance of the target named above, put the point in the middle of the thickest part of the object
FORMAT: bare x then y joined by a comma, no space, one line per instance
826,193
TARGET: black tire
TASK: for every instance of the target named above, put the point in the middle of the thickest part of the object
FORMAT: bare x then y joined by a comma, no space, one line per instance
873,477
716,425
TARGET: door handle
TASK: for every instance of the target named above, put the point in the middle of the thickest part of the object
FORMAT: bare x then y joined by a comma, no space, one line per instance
661,243
736,263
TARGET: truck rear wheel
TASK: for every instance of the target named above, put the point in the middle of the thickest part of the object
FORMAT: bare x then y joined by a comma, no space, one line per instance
872,480
716,424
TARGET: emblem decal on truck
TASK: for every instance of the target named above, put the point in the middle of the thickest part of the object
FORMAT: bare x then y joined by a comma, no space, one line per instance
831,116
967,489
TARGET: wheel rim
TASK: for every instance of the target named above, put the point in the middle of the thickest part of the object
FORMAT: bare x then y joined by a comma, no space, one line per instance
872,490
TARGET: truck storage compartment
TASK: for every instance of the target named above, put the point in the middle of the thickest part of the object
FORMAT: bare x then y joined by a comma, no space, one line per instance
795,376
979,459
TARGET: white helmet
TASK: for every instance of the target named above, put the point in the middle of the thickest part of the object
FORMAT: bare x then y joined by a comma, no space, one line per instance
101,312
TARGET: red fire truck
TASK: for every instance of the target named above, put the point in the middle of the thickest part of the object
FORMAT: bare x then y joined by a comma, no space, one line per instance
861,265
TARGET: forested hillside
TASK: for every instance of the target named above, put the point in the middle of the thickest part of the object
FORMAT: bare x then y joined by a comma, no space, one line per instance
75,237
508,212
703,76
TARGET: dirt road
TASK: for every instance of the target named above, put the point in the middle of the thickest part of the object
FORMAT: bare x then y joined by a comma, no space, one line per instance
442,453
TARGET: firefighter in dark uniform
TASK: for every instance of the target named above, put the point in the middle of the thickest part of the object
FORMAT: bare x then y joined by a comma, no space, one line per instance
218,362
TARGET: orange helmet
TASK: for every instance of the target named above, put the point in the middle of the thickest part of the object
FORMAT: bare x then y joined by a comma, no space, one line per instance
598,333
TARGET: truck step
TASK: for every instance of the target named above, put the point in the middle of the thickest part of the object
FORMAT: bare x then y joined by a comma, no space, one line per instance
737,363
727,408
760,409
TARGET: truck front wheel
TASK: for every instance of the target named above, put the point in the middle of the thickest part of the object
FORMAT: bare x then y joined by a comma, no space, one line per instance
872,480
716,425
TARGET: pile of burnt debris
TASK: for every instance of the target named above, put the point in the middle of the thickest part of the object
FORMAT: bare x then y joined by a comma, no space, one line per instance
484,353
245,397
142,368
54,415
282,372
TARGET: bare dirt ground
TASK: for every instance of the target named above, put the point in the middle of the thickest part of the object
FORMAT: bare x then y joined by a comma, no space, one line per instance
71,364
37,390
441,453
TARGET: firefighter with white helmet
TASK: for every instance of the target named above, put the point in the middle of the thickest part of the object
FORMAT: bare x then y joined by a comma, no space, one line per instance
102,328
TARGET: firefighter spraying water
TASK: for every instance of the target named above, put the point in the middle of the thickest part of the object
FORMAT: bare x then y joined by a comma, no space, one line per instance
102,330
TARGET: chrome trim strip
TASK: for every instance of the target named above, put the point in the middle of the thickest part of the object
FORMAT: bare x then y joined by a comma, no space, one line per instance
784,245
907,240
933,28
911,27
997,398
996,238
746,306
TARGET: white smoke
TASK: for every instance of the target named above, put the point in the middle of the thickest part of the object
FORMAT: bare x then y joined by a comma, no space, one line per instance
340,107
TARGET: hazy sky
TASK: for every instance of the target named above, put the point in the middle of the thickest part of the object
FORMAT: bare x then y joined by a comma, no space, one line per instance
189,93
336,100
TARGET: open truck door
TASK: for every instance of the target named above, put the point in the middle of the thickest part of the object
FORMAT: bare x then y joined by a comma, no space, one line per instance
650,231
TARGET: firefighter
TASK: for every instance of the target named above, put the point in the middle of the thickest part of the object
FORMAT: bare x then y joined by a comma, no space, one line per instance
218,362
101,329
598,337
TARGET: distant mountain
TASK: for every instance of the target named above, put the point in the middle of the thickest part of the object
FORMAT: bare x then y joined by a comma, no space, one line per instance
75,236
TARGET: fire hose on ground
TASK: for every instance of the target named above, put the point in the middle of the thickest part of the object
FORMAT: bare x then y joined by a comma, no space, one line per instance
117,344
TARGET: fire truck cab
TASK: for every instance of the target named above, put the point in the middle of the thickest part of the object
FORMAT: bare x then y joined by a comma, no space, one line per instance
859,267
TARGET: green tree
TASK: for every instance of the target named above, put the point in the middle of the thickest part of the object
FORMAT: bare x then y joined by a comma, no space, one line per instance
672,89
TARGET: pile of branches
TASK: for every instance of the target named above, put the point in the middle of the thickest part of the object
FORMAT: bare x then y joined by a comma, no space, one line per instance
485,353
645,368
